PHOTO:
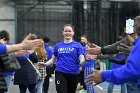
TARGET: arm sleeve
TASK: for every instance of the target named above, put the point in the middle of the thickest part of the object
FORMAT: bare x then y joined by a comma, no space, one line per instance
112,49
3,49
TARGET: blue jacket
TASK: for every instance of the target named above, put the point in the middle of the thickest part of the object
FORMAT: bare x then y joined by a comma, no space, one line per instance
127,73
3,49
26,75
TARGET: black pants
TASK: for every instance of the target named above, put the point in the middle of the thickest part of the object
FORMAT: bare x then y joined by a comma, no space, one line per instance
65,83
81,79
46,81
31,88
49,72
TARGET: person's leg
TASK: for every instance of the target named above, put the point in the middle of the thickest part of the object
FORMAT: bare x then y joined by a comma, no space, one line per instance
60,82
82,79
8,80
46,84
123,88
32,88
52,69
110,87
46,81
89,87
22,88
39,86
81,84
72,83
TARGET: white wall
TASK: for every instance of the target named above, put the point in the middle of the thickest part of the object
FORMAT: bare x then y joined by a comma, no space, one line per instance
7,18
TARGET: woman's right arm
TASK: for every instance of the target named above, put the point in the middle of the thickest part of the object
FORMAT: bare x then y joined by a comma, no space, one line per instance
51,61
48,63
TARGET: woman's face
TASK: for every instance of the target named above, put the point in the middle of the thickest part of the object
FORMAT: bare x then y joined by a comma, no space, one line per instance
68,32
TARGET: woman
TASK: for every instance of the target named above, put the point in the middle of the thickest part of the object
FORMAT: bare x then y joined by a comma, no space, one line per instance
68,55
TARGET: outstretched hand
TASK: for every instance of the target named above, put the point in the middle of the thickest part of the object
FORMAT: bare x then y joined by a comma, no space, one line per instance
41,64
31,44
94,78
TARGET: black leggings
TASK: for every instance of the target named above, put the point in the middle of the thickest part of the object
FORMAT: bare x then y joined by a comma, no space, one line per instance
49,71
81,79
31,88
46,81
65,83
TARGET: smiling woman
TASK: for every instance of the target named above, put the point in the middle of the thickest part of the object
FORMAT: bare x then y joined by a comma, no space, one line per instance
68,55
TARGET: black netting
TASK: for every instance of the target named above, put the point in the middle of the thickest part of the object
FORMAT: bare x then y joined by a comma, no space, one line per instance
101,20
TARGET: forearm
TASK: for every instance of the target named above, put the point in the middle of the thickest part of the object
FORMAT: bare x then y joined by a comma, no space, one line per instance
51,61
112,49
14,48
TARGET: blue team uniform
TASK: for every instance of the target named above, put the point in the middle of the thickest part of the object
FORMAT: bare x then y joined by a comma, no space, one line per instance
68,57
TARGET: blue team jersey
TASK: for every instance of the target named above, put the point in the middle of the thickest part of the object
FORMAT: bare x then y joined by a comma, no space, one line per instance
68,57
3,49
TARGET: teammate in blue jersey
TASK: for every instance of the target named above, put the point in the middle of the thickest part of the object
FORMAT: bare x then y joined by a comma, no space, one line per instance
68,55
128,72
